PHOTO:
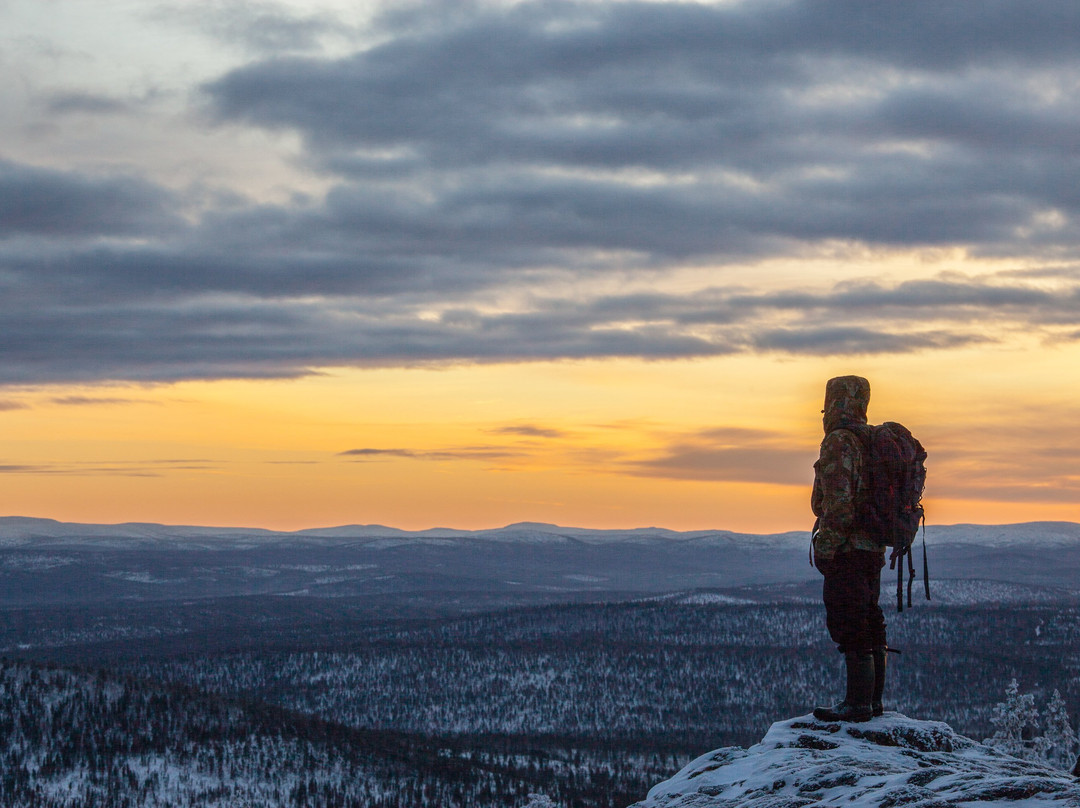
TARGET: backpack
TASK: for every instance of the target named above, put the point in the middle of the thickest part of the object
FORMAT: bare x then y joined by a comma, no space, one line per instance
889,502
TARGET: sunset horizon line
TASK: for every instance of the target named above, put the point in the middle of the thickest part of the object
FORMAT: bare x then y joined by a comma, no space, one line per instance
525,523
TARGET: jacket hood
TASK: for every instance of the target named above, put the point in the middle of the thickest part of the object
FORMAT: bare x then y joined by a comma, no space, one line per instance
846,400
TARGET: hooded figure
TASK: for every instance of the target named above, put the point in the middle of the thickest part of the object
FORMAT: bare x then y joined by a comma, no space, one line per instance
838,471
846,400
847,553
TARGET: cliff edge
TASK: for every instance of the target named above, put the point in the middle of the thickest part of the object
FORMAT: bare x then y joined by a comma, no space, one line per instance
889,761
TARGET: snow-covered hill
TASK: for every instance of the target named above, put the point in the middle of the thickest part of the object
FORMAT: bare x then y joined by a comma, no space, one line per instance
944,592
889,761
18,531
44,561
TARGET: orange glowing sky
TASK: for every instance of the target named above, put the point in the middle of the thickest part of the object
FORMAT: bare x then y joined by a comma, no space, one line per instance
720,443
325,263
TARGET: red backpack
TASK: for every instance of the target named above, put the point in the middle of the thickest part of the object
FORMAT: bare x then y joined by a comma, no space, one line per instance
889,503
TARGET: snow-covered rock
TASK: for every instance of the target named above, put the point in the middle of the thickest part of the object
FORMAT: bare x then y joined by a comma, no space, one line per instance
888,761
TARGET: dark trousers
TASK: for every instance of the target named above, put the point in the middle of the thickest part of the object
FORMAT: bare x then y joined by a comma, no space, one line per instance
852,586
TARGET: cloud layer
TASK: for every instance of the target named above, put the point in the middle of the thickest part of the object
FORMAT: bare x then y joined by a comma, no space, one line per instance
493,170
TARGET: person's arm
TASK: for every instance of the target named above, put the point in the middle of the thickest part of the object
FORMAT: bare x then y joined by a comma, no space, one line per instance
836,482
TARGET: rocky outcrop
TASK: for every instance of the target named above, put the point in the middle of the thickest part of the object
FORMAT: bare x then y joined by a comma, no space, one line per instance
887,762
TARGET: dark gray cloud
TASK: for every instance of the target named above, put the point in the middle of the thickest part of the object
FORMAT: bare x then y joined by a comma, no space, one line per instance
799,120
8,405
460,453
528,431
475,147
773,465
161,334
368,452
92,401
44,202
252,339
848,341
141,468
957,299
85,103
732,455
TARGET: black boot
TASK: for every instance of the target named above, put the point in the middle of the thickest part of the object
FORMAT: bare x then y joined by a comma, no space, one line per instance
860,686
881,656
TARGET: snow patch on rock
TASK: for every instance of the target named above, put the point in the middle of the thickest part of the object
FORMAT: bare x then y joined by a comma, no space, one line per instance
888,761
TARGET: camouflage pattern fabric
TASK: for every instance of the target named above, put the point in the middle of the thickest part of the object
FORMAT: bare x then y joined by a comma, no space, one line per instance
838,473
846,400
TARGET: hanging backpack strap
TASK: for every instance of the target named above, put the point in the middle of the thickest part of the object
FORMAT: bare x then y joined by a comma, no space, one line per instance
896,560
900,583
925,565
813,535
911,574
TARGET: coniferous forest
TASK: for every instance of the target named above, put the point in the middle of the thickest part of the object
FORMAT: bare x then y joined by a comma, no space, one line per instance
589,704
408,672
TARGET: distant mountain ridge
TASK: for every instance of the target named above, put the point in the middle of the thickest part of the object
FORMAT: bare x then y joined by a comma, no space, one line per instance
17,530
46,561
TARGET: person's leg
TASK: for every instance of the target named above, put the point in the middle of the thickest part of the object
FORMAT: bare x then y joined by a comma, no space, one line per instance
855,706
872,564
876,628
850,592
881,661
844,592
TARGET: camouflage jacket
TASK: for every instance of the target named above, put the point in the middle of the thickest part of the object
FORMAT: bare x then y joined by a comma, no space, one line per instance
838,477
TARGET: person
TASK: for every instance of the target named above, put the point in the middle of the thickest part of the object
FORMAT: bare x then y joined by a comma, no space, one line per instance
848,555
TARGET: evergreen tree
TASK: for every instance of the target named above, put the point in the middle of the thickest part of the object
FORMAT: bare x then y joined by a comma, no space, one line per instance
540,801
1061,740
1016,719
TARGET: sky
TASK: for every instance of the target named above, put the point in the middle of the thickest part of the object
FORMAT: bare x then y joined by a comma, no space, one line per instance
469,263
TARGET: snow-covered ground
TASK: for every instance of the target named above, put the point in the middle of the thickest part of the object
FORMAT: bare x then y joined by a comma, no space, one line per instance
947,592
888,761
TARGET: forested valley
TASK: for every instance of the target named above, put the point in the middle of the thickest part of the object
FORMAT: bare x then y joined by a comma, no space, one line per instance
589,704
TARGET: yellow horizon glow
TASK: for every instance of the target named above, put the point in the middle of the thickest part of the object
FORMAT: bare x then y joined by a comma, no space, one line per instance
481,446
